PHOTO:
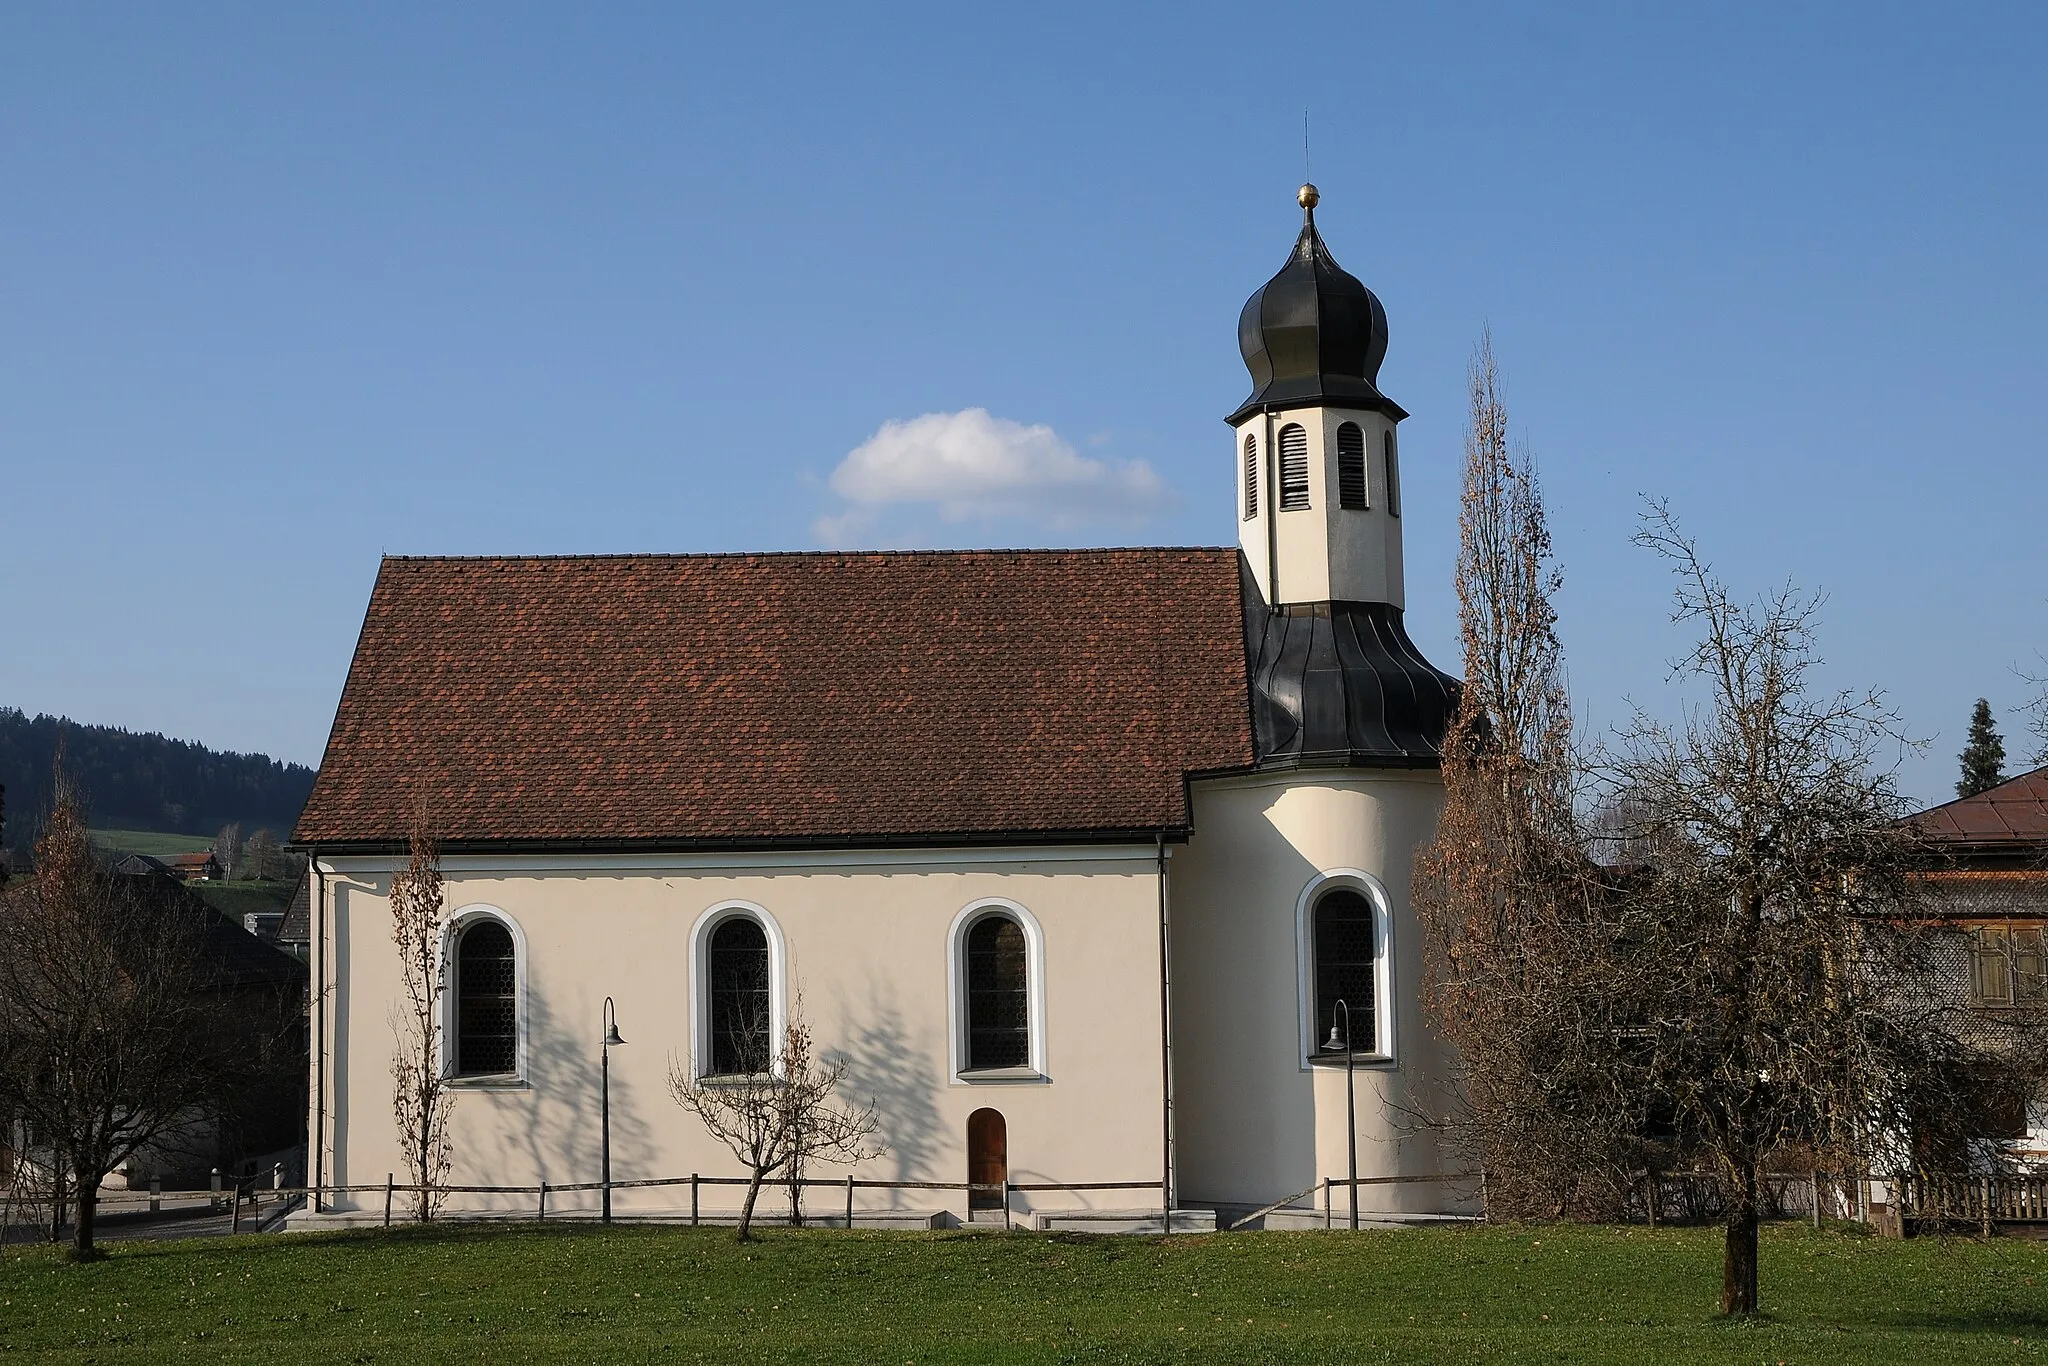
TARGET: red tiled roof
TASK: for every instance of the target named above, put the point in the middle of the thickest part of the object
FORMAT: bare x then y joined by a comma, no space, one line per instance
2014,813
810,698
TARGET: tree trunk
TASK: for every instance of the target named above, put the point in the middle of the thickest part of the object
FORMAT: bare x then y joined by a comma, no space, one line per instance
746,1229
86,1191
1738,1258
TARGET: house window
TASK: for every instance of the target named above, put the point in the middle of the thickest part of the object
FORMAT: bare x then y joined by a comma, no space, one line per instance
486,1000
1351,466
998,995
1251,477
1343,932
2009,966
1393,475
1293,468
737,993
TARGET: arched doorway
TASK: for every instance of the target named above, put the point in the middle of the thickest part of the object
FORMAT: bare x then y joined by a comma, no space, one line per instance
988,1158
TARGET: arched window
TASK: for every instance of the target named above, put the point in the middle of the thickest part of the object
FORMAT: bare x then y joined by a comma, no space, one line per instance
1293,468
1393,476
1344,969
1351,466
1251,477
486,1000
741,1018
998,995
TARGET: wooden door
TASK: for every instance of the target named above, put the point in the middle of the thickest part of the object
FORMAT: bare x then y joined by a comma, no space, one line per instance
988,1158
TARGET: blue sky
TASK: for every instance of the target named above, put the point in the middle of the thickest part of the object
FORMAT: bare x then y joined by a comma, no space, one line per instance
283,289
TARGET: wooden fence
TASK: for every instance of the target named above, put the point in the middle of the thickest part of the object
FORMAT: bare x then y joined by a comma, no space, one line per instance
1940,1203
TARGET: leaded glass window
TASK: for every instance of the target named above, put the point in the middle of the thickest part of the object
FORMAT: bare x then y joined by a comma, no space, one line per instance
998,995
741,1024
1344,935
486,1001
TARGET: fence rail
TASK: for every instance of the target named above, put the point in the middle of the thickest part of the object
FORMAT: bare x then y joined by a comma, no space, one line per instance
1981,1200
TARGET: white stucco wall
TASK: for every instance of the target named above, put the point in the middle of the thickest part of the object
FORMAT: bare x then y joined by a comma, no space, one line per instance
1253,1121
1324,552
866,936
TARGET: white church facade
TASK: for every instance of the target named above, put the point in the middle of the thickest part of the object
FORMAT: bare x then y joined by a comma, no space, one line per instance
1071,854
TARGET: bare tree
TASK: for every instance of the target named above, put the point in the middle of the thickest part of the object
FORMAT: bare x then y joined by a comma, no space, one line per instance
420,1101
259,855
227,850
1776,927
115,1029
1506,898
782,1113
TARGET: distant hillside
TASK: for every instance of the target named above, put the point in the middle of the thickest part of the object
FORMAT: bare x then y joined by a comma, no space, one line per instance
143,782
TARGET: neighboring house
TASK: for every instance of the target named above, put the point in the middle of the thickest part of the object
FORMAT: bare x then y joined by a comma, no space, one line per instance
142,865
193,867
1992,887
295,930
1071,853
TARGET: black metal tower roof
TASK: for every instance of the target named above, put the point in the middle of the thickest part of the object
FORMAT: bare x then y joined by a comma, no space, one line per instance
1313,333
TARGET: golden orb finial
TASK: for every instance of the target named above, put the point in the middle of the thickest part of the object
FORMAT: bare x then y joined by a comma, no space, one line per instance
1308,197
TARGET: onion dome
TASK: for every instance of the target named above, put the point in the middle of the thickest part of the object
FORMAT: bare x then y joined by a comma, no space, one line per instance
1313,334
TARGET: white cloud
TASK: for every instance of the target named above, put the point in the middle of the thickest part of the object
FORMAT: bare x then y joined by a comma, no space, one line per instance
970,466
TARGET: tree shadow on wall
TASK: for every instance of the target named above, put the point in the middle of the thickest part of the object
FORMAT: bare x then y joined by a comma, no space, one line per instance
882,1064
553,1132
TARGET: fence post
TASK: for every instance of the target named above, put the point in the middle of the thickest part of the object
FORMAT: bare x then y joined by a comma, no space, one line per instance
849,1200
1816,1201
693,1199
156,1194
1006,1200
1326,1204
543,1198
1987,1191
1654,1198
389,1177
213,1189
235,1219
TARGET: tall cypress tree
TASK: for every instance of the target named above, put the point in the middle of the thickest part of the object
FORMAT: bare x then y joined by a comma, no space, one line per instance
1984,757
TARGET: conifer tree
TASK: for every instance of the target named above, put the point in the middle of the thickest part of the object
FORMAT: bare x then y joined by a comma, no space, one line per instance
1984,756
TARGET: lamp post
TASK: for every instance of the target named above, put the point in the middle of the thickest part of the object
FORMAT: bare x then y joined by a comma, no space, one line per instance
610,1020
1342,1039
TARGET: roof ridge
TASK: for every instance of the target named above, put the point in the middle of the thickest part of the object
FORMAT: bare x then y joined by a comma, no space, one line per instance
808,554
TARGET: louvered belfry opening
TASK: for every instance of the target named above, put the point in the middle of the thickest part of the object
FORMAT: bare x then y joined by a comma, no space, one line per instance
998,995
738,998
1293,468
1251,477
1344,966
1393,475
486,1001
1350,466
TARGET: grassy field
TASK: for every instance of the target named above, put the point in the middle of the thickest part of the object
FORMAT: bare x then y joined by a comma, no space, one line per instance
152,842
236,899
576,1293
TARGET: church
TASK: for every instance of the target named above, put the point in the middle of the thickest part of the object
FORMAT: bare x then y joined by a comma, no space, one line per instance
1093,865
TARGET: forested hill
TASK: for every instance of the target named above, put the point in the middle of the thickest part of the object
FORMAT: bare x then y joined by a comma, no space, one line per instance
143,782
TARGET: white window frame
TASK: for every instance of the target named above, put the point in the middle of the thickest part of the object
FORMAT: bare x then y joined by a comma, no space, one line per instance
450,1025
1382,1053
700,981
1037,1072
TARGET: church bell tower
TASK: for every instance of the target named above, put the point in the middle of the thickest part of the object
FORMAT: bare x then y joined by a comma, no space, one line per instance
1318,478
1335,679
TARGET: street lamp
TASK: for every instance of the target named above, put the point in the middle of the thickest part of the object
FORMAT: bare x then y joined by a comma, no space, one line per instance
610,1019
1342,1039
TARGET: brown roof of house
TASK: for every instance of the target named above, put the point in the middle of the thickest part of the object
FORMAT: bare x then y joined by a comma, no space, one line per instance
2012,815
672,700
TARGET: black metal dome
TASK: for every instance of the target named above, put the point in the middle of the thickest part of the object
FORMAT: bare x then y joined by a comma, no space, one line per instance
1313,333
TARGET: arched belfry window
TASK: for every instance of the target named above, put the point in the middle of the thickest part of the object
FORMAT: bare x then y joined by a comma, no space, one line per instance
1393,475
1344,932
741,1014
998,995
486,1000
1251,477
1293,468
1351,466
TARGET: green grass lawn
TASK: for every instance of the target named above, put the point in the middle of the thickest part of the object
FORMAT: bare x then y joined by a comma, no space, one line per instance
635,1294
155,843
